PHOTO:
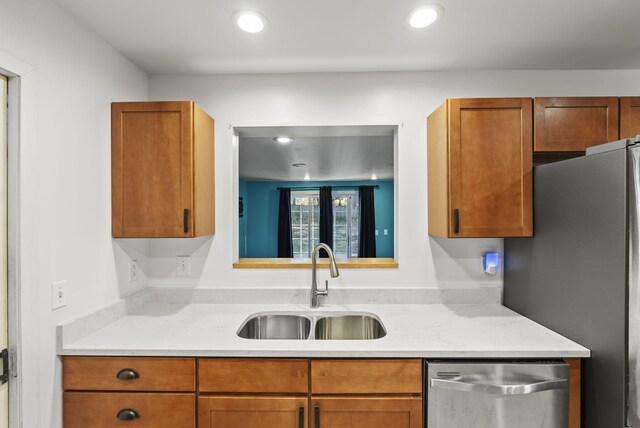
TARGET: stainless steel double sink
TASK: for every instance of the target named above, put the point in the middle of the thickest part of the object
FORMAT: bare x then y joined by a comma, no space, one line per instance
312,326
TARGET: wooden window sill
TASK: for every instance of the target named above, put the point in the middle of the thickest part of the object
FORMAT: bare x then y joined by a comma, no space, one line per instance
369,263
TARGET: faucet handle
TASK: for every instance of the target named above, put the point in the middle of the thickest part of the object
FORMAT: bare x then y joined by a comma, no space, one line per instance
326,289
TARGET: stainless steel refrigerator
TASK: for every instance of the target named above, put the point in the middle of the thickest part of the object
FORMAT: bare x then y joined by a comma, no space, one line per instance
579,274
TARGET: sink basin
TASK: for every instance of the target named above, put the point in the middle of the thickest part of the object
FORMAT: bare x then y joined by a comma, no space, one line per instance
312,325
276,326
349,327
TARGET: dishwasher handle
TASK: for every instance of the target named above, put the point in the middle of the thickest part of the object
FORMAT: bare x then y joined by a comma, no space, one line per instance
458,384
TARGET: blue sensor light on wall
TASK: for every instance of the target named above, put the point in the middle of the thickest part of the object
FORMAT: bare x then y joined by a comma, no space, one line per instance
490,262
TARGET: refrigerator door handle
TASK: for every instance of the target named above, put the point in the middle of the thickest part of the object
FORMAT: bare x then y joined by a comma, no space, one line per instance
457,384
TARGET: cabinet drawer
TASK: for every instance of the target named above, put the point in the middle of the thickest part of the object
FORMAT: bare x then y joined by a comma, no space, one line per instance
101,410
253,375
145,374
366,377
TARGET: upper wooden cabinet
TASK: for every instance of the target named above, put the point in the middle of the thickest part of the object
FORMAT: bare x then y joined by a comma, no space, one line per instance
162,170
629,117
479,168
573,124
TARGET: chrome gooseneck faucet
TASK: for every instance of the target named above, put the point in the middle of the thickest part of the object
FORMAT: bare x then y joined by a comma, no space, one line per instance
333,271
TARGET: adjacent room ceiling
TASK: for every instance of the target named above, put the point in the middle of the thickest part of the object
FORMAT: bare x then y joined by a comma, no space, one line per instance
320,153
200,36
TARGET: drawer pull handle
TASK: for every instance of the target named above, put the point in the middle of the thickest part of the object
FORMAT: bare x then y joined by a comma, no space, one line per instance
128,415
128,374
301,417
316,413
456,221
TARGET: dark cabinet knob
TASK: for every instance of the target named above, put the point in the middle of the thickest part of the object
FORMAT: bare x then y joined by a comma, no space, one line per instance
127,415
127,374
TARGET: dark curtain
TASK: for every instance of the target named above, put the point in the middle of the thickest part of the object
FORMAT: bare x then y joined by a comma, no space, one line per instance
285,243
367,243
326,218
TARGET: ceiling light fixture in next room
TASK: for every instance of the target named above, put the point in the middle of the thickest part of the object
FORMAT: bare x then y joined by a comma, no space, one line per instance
250,21
283,140
425,15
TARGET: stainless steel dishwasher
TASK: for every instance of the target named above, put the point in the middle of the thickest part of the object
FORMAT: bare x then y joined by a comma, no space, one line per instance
497,394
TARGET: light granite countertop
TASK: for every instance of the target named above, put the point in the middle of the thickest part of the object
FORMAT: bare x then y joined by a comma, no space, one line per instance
435,330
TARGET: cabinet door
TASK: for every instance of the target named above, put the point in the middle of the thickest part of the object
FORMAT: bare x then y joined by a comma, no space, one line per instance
152,169
629,117
356,412
490,180
573,124
252,412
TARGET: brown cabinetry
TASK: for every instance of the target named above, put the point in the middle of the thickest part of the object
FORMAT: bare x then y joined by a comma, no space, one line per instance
253,411
367,412
629,117
140,409
566,124
367,393
259,392
480,168
103,392
162,170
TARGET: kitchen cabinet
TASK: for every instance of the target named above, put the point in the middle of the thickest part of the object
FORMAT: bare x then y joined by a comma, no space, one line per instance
162,170
253,392
367,393
367,412
161,392
145,410
629,117
259,392
253,411
480,168
571,124
118,391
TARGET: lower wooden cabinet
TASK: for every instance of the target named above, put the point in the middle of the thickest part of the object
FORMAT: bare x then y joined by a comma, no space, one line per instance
366,412
124,409
252,412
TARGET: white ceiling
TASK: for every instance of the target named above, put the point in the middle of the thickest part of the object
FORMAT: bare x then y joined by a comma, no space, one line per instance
355,155
199,36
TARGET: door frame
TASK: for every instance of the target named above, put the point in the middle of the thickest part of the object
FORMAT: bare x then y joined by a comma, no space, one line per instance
21,102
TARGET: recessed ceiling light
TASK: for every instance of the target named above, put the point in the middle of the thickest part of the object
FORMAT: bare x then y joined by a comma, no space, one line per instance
283,140
425,15
249,21
307,177
374,177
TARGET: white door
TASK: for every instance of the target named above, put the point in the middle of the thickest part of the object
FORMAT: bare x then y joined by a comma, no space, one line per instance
4,389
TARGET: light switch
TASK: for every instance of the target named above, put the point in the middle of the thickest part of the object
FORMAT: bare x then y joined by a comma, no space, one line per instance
58,294
376,232
386,231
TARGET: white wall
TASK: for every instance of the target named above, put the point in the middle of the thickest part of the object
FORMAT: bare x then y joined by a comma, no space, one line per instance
353,99
65,183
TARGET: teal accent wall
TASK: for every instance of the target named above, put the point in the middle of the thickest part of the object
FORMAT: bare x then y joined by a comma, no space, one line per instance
259,225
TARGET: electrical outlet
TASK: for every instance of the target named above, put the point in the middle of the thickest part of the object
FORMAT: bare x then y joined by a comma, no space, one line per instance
184,266
58,294
133,270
